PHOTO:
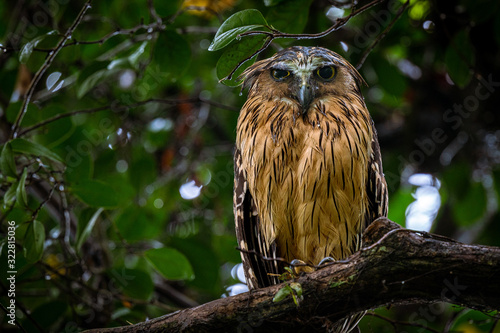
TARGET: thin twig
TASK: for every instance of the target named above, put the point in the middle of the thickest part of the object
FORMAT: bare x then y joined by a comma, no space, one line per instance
273,34
266,44
108,107
50,58
400,12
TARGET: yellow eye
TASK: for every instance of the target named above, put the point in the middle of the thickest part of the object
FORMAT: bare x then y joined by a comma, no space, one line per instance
280,74
326,73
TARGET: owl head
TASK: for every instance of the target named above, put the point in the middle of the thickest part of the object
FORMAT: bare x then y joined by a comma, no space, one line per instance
303,75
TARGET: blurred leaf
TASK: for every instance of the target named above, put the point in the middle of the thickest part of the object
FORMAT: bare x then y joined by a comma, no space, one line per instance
55,132
269,3
135,283
460,58
46,315
202,259
27,48
27,147
7,164
172,53
95,193
170,263
289,16
282,294
236,24
472,321
398,204
142,171
9,196
234,54
79,166
33,241
138,223
94,79
496,179
88,229
472,206
457,179
225,247
297,287
21,196
136,56
31,117
389,76
167,8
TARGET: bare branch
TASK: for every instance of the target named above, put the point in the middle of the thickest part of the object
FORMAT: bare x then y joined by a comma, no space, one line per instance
400,12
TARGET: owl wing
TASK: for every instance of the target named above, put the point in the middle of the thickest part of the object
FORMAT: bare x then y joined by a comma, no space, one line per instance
254,248
376,185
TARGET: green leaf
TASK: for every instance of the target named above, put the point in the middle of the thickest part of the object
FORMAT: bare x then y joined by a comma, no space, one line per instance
135,283
136,56
290,16
170,263
167,8
46,315
234,54
79,167
472,206
27,48
33,241
297,287
399,202
459,58
142,171
172,53
282,294
389,76
95,193
94,79
10,196
27,147
236,24
138,223
269,3
202,259
88,229
7,163
21,196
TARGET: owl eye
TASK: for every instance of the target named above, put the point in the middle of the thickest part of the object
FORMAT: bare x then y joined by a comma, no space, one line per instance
280,74
326,73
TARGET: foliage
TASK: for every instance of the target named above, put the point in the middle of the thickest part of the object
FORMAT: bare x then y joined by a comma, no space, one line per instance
116,165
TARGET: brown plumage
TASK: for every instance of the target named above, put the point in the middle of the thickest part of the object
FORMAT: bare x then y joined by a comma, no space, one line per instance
308,172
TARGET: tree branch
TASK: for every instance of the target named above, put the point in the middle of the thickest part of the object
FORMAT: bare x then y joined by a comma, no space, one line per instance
50,58
396,266
273,34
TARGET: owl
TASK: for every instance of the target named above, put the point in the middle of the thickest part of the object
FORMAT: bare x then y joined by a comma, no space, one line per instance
308,170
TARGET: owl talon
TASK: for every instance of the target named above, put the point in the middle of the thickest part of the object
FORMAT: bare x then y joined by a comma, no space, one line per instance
325,261
298,266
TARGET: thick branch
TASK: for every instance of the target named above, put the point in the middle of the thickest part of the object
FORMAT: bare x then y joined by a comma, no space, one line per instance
396,266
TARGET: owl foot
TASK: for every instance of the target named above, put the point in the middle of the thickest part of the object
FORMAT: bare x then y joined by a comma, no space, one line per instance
298,266
325,261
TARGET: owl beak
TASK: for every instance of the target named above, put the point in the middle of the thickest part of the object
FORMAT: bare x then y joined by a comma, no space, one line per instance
305,96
